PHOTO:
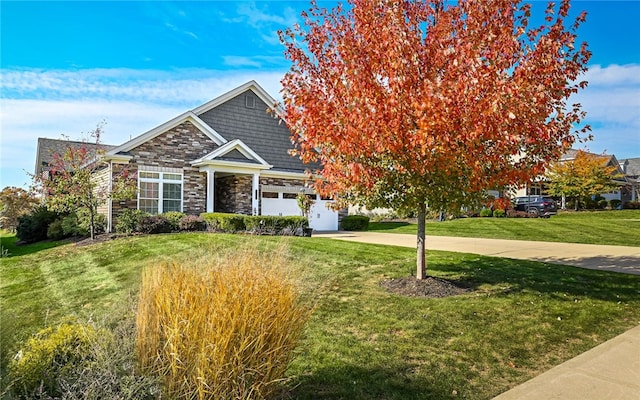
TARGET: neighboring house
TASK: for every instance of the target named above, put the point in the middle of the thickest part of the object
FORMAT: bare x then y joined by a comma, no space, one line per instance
624,192
227,155
631,169
48,147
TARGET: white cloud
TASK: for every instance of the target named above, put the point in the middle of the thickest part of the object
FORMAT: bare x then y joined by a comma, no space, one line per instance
240,61
614,74
261,17
264,21
39,103
253,61
176,29
179,87
612,103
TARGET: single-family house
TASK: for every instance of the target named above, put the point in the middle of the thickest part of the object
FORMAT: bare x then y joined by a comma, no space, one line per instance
631,169
624,192
230,154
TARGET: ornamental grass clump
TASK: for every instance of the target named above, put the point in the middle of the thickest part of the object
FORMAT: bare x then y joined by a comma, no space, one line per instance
220,328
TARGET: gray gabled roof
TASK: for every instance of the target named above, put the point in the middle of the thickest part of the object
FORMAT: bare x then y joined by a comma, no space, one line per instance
48,147
631,167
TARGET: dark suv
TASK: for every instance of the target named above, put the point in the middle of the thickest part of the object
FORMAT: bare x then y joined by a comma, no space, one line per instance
540,206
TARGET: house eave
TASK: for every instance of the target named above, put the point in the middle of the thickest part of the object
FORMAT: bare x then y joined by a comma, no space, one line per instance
289,175
160,129
235,144
117,158
228,165
251,85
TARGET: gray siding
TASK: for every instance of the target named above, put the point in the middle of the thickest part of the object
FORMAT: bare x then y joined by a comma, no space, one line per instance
258,129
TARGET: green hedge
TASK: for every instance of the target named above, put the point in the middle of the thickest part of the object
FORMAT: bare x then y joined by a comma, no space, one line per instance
275,225
486,212
355,223
224,222
258,224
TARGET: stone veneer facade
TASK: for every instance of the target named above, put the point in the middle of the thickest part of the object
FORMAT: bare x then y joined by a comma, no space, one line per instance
233,194
175,148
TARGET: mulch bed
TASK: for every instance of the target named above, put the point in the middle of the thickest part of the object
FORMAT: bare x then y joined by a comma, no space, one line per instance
428,287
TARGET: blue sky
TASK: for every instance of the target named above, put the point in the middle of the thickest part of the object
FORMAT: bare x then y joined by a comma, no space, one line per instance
66,66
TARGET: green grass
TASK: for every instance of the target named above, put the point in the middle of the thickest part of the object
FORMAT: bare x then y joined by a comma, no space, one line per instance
600,227
362,342
11,249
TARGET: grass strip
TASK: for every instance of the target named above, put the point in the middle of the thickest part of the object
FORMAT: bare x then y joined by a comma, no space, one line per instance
620,228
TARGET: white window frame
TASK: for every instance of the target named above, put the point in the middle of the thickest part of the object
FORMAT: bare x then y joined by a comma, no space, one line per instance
161,180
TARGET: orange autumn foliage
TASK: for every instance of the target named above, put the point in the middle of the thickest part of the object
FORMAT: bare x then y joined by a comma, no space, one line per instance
405,103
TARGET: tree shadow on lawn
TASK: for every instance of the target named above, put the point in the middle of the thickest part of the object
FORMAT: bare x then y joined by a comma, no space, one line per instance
511,275
13,249
359,382
383,226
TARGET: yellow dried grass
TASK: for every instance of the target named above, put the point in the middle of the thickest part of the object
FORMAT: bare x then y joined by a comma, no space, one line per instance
220,327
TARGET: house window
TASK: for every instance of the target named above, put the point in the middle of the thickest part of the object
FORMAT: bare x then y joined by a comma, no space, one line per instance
269,195
250,101
535,190
160,192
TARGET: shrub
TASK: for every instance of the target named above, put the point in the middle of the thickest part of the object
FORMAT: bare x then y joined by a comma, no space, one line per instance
593,203
631,205
55,231
355,223
602,204
471,213
154,224
70,225
519,214
49,356
84,223
174,218
129,221
244,318
486,212
112,372
615,204
33,227
81,361
224,222
499,213
192,223
275,225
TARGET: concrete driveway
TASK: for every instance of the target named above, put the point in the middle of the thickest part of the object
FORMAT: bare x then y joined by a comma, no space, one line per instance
625,259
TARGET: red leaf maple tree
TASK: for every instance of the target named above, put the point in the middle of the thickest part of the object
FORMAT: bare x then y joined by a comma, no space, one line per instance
416,104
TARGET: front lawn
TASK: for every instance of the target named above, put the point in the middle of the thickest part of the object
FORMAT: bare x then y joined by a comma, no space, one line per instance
591,227
521,318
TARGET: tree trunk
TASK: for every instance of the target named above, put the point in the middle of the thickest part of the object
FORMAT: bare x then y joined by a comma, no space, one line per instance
421,262
92,228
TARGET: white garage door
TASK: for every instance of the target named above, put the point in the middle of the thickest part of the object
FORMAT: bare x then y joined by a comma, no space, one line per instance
283,203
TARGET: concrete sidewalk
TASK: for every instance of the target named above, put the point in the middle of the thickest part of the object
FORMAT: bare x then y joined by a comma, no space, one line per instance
608,371
623,259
